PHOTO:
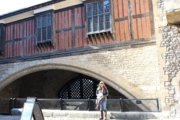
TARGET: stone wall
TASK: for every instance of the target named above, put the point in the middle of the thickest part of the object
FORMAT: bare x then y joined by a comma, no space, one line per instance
44,84
171,40
123,68
167,37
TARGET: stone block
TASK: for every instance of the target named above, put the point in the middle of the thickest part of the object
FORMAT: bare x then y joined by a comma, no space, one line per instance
173,17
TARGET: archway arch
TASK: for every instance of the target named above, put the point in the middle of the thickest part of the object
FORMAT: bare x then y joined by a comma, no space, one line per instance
119,84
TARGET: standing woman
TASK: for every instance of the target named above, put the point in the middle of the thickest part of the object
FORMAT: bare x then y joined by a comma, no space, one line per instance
102,90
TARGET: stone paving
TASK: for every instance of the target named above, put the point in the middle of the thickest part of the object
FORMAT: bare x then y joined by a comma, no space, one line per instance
52,118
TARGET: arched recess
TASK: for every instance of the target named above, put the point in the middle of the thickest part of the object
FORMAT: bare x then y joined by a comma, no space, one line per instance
119,84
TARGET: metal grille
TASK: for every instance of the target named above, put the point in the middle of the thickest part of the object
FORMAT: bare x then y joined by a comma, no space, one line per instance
88,91
79,88
64,92
75,89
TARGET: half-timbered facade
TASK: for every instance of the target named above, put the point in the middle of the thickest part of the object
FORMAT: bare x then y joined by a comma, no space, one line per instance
48,31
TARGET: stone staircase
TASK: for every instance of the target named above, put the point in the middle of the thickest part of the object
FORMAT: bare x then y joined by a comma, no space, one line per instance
87,115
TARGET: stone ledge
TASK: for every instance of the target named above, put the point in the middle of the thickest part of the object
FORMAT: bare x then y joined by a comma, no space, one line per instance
94,114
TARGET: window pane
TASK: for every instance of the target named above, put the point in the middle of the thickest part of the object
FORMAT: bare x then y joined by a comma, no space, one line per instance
49,20
0,33
100,8
89,24
89,10
43,20
101,22
107,18
39,34
95,23
38,22
44,33
106,6
49,30
94,8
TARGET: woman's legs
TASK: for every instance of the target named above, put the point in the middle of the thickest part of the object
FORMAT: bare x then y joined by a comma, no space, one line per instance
104,104
101,114
103,109
105,114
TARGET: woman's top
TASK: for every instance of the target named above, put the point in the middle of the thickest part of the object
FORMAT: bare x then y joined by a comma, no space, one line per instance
103,92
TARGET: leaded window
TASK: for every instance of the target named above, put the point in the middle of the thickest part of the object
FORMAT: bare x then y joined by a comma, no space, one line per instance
44,28
1,39
98,16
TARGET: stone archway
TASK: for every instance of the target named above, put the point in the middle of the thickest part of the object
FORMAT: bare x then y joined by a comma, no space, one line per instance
23,68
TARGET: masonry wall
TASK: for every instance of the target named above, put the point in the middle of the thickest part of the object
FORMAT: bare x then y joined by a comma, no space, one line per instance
170,35
167,39
44,84
134,67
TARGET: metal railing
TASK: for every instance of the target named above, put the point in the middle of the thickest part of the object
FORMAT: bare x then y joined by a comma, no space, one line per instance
122,105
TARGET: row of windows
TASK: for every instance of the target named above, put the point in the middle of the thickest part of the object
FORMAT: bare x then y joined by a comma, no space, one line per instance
98,20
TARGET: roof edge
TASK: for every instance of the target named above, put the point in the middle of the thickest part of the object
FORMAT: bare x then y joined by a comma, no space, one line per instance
30,8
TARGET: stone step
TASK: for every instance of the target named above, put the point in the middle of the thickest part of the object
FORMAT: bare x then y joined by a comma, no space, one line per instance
92,115
51,118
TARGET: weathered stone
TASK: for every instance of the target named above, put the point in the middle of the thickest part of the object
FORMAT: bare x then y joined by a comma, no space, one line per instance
173,17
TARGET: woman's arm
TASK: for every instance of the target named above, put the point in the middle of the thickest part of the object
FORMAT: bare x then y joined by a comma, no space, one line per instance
106,93
97,92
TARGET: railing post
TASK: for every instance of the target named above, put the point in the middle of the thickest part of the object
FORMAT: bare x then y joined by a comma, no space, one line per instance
88,104
60,103
158,104
10,105
120,104
15,103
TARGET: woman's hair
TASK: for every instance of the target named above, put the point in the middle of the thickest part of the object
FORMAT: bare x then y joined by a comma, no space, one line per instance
104,86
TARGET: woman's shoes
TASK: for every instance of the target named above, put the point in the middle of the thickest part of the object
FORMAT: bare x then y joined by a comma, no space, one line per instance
101,118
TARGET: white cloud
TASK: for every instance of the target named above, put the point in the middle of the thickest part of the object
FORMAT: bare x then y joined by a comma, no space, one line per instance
7,6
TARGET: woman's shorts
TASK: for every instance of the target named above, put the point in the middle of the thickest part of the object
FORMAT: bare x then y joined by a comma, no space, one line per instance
103,104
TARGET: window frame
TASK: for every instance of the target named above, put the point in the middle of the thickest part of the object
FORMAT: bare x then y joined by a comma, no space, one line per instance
52,39
98,15
1,38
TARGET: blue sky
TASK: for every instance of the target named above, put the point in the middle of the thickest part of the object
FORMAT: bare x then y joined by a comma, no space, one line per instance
7,6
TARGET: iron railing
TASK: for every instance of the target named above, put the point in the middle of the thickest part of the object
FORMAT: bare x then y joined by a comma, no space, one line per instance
122,105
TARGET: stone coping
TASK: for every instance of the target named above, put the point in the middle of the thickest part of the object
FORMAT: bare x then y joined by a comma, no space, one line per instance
93,114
